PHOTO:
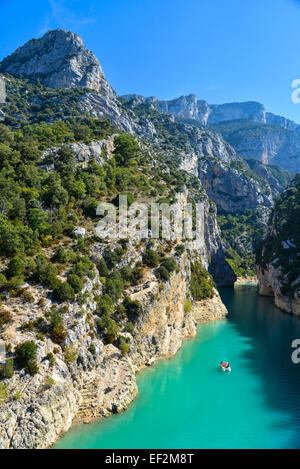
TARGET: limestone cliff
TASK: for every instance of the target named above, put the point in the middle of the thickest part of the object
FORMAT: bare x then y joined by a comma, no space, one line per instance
270,284
278,256
82,375
59,60
99,381
252,132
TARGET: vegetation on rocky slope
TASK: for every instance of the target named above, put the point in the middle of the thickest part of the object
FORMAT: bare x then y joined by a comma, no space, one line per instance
241,235
43,197
31,102
281,246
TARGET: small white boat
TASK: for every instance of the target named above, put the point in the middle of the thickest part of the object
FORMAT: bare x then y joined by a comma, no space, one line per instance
225,368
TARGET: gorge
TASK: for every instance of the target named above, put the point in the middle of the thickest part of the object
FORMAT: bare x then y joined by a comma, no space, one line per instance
81,315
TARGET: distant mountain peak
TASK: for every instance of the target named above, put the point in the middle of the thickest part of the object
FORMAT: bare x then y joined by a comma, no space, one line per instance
60,60
189,107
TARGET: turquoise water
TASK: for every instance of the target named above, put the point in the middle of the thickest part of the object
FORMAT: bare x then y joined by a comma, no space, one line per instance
188,402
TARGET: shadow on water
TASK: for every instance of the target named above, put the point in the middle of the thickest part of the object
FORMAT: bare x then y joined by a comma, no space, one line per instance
270,333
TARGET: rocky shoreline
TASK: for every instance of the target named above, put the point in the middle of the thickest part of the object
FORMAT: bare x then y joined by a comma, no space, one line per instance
205,311
270,284
246,280
104,382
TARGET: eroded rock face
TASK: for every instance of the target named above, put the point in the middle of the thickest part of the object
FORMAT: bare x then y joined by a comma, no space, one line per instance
189,107
230,190
268,144
275,139
96,150
279,253
60,60
270,284
98,382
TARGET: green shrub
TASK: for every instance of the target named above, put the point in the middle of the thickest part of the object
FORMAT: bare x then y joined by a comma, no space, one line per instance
64,256
2,280
132,307
126,149
129,328
40,336
110,328
15,267
163,273
187,306
32,367
137,274
7,369
5,318
102,268
26,356
45,272
151,258
76,282
57,329
49,382
50,358
70,353
123,346
114,286
126,273
3,393
202,285
58,334
112,258
170,264
63,292
27,296
179,249
105,305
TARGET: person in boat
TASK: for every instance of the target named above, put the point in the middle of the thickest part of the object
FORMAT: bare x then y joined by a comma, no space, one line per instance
224,364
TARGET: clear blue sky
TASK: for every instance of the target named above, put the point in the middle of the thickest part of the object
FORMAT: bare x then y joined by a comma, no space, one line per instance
221,50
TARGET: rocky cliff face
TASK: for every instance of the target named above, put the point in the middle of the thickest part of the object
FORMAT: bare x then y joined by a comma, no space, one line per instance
228,180
87,377
60,60
278,257
231,190
189,107
99,381
270,284
253,132
269,144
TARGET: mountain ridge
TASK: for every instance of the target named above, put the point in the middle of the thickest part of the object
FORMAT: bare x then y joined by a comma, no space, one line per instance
248,127
189,107
59,60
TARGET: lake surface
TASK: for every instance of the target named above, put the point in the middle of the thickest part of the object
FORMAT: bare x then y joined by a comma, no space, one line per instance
188,402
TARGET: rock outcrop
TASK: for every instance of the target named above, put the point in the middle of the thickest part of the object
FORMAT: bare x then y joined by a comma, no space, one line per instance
270,144
189,107
228,180
86,378
270,284
253,132
278,258
231,190
59,60
99,381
